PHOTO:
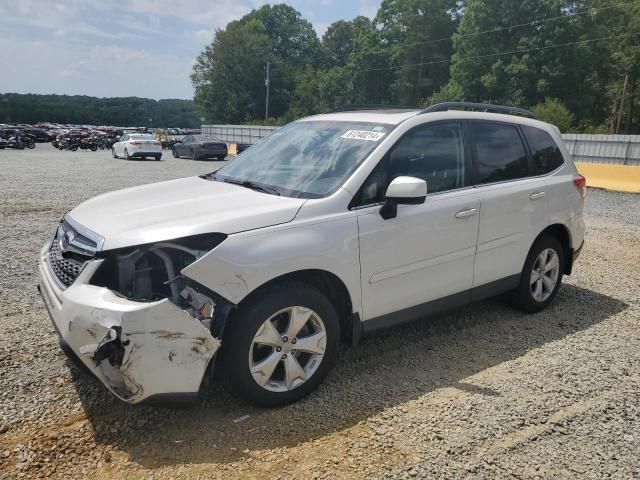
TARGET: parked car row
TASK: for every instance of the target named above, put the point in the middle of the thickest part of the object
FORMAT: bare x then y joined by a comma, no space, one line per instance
16,139
129,142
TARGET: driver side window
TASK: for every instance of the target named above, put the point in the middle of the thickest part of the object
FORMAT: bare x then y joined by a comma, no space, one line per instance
431,152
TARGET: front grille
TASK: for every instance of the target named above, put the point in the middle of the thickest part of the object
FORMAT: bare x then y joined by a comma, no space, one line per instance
65,269
72,246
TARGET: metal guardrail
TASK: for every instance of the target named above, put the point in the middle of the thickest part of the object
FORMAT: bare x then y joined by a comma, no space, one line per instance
609,149
586,148
238,133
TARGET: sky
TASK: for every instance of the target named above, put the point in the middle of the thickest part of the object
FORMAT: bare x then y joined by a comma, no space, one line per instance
114,48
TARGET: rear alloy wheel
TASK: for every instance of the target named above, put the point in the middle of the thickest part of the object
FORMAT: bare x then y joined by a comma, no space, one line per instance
281,345
542,275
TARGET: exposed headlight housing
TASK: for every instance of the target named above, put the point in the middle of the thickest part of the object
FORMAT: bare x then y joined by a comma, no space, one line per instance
151,272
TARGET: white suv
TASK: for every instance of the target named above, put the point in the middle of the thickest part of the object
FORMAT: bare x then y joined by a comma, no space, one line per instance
333,226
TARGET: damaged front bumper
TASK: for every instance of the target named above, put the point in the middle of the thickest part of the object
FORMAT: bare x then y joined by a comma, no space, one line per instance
141,351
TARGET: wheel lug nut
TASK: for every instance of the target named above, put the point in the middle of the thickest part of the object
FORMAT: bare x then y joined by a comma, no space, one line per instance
278,349
284,356
285,339
294,341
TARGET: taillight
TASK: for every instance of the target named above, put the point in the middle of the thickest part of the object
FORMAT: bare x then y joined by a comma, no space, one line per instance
135,143
581,184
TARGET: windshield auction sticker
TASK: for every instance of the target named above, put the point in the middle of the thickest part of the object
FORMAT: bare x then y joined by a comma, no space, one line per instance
363,135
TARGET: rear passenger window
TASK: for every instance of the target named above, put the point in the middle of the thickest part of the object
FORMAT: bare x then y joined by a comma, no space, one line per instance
500,153
546,154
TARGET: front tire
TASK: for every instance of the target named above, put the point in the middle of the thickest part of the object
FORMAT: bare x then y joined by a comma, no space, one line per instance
126,155
113,152
280,345
541,275
174,153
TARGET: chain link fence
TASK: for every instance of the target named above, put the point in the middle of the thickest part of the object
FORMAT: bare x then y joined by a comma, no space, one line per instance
586,148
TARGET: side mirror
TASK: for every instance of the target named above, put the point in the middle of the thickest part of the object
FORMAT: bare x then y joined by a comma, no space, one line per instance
403,191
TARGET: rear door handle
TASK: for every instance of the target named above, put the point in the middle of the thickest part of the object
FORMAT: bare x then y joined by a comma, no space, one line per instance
466,213
537,195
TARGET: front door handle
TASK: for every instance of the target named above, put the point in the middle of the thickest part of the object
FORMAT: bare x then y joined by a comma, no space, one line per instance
537,195
466,213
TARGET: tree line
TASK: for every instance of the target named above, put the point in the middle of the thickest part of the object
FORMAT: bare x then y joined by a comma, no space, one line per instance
84,110
576,63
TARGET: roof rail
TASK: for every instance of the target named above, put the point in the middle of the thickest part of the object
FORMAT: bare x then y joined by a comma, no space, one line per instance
350,108
482,107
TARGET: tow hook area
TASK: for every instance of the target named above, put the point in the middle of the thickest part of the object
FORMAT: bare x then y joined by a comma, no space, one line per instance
111,348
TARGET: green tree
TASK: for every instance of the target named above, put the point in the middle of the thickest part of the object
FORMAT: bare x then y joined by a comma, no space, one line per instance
228,77
229,74
81,109
554,111
417,35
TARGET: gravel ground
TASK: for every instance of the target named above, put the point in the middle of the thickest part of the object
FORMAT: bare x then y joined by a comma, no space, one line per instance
483,392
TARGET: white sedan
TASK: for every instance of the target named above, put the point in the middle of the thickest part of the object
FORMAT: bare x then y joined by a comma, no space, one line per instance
137,145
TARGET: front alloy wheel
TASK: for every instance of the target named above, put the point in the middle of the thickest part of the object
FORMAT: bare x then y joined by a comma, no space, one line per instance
287,349
280,345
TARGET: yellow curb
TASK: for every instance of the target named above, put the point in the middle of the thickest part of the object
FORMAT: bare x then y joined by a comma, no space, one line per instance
620,178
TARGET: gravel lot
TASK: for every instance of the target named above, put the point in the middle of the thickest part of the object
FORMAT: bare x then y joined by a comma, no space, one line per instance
483,392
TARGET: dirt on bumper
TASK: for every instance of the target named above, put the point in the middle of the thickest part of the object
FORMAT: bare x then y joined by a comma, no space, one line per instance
139,350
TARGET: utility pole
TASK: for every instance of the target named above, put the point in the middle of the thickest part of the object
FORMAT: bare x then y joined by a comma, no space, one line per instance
624,92
267,83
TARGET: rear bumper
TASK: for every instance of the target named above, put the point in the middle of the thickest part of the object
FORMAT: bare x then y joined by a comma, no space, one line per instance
212,153
141,351
145,154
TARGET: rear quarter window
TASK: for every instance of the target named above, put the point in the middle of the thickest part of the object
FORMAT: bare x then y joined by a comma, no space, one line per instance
545,152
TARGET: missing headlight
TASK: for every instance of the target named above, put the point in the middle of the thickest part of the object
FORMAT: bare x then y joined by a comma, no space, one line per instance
152,272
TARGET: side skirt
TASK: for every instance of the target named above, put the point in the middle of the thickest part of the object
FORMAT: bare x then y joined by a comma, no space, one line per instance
441,305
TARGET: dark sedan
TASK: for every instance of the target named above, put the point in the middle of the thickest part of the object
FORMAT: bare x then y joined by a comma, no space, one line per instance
200,146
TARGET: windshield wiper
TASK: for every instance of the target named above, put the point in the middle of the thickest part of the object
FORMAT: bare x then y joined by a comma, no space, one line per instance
252,185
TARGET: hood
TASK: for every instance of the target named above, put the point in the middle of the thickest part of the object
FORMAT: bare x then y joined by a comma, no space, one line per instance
180,208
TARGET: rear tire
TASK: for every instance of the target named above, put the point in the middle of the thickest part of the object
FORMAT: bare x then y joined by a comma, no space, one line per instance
541,275
299,363
158,157
174,153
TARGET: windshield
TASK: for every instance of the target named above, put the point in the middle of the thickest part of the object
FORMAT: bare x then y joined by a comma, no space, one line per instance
306,159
